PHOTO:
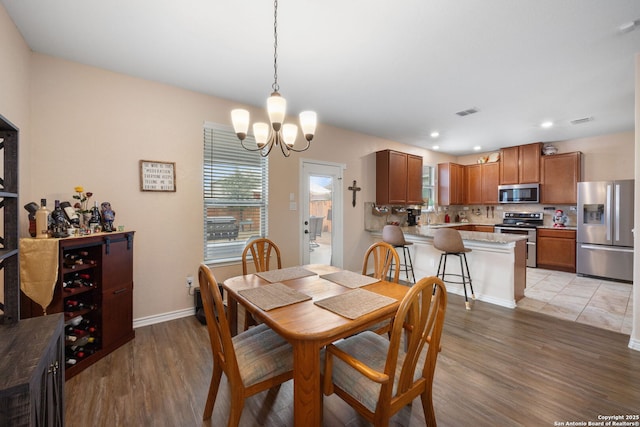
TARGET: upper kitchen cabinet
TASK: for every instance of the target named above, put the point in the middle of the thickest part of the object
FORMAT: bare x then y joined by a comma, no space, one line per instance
560,176
451,183
398,178
520,164
481,183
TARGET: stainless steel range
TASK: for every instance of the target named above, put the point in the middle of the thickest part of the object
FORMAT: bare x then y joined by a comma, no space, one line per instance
523,223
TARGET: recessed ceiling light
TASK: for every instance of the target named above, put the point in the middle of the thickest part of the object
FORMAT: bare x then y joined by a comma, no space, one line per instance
435,134
436,147
477,148
546,124
629,26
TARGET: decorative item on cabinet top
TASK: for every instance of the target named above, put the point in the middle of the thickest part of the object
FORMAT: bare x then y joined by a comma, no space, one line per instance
491,158
549,149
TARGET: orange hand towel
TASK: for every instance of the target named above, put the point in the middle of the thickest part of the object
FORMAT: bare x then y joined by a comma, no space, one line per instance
39,269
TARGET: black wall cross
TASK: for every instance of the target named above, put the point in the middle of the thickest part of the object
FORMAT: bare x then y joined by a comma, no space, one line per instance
354,188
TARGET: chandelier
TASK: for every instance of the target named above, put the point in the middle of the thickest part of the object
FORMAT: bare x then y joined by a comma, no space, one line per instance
279,133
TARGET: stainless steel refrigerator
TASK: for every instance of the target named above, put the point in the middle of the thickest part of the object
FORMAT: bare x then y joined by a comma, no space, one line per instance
605,229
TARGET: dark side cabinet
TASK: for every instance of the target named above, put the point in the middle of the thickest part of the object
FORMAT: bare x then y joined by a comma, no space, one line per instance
94,290
32,372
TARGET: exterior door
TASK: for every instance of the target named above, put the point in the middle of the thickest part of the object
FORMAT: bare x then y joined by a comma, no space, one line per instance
321,212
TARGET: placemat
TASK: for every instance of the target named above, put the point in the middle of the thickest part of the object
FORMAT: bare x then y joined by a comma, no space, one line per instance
355,303
283,274
273,295
349,279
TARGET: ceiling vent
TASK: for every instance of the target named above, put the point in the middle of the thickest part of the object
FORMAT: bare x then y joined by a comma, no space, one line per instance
467,112
582,120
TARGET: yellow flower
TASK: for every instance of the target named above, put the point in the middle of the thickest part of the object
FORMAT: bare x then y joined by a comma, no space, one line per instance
79,189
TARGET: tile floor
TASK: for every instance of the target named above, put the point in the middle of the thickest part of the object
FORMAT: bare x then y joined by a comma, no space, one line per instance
596,302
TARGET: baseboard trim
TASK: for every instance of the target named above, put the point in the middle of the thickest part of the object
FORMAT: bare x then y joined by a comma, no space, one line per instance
634,344
163,317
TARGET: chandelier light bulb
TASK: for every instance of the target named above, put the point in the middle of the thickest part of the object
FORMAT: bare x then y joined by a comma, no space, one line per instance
289,133
261,133
308,122
240,120
276,108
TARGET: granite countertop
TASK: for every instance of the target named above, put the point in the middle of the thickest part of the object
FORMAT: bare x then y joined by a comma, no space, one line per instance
427,232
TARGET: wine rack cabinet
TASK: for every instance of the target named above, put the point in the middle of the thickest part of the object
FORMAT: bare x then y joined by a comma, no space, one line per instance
94,290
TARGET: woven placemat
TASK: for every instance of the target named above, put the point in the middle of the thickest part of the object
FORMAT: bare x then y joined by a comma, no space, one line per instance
349,279
273,295
355,303
283,274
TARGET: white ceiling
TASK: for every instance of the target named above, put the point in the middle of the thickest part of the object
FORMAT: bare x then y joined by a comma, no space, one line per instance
394,69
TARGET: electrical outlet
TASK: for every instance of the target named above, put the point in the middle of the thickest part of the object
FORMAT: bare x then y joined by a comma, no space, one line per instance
189,281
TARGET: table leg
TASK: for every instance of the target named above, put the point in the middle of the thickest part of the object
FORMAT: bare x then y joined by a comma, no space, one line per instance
307,395
232,304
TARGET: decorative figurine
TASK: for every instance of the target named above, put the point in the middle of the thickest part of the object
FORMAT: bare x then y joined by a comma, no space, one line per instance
560,219
108,216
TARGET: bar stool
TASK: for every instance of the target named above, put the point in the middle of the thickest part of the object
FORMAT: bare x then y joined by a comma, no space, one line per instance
448,241
393,235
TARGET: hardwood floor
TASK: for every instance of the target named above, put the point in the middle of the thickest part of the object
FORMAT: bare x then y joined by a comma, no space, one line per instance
498,367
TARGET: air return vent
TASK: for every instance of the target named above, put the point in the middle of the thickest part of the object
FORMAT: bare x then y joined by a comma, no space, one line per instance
467,112
580,121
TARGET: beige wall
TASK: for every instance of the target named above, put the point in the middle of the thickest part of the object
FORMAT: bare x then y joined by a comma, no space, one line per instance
14,95
91,127
634,341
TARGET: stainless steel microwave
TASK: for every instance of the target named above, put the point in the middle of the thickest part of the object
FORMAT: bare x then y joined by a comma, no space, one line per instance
519,193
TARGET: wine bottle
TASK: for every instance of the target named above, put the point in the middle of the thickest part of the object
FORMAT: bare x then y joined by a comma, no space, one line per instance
71,214
42,220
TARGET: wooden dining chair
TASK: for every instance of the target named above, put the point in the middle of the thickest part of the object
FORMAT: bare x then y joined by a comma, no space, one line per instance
253,361
377,376
383,255
263,251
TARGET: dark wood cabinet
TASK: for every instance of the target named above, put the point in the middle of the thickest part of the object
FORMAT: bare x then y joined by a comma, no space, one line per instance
94,290
520,164
556,249
9,264
560,176
451,184
398,178
32,372
481,183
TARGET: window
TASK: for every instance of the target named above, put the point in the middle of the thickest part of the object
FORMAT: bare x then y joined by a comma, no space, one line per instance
428,192
235,190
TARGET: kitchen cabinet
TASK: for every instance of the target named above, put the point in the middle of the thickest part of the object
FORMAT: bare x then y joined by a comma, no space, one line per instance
398,178
556,249
481,183
94,290
520,164
560,176
450,184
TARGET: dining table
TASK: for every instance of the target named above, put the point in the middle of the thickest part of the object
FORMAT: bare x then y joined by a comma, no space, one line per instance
310,320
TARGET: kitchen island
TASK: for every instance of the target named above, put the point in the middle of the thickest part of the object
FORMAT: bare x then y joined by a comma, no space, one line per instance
497,262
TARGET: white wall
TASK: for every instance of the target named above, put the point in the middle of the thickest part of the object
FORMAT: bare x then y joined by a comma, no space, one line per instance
634,341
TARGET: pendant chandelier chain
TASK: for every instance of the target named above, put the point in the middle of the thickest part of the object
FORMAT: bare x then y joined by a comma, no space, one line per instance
275,85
